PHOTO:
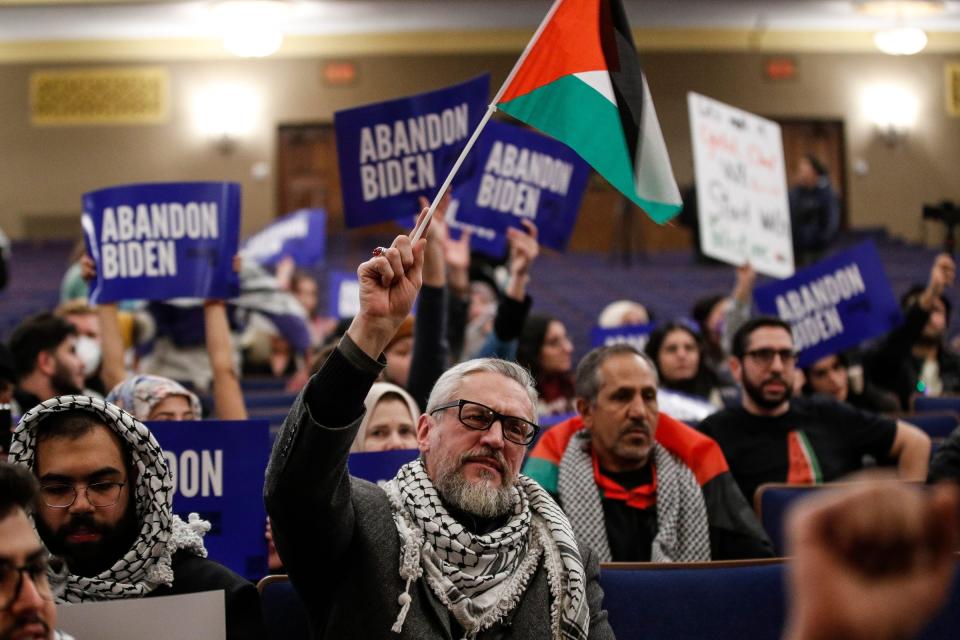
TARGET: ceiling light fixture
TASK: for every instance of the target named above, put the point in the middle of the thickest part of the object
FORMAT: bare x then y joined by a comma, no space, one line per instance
900,40
251,28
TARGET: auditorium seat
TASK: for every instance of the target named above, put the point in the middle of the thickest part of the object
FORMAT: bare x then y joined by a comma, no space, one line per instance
716,600
937,425
283,614
771,502
927,404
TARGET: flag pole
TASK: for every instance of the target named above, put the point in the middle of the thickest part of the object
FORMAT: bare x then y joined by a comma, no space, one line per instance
417,233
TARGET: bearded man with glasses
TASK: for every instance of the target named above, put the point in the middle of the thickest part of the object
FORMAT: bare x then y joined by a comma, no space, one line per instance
105,505
773,437
458,544
29,576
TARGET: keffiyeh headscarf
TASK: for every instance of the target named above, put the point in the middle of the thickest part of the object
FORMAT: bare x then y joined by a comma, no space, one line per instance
147,564
481,578
683,534
140,394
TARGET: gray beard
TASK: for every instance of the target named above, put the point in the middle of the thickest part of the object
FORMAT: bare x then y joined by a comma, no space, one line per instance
478,499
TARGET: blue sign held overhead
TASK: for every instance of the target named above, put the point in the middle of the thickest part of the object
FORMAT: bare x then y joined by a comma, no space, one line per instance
636,335
217,471
519,174
301,235
392,152
835,304
164,240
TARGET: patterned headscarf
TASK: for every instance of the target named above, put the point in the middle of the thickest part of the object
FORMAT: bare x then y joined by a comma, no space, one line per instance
147,564
140,394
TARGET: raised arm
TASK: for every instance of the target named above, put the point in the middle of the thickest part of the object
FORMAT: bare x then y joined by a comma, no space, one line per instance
112,369
227,394
307,488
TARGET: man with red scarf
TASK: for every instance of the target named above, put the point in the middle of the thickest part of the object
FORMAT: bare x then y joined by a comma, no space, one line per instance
636,484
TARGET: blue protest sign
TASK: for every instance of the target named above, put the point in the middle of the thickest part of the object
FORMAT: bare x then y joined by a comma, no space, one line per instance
301,235
164,240
520,174
344,294
835,304
391,152
217,471
636,335
379,465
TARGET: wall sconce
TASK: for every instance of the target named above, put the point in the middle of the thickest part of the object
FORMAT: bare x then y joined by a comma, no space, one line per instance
251,28
892,110
226,113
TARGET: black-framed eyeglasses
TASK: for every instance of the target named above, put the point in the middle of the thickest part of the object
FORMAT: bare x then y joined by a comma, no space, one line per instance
766,356
480,417
99,494
39,570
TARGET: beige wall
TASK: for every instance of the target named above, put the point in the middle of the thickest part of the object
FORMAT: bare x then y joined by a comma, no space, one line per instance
44,170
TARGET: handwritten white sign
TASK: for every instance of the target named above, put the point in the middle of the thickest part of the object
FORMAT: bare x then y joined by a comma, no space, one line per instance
742,196
193,615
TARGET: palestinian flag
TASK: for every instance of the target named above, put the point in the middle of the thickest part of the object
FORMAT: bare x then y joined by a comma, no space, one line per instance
580,81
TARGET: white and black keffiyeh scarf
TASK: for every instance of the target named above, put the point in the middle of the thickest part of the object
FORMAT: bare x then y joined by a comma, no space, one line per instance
683,533
481,578
147,564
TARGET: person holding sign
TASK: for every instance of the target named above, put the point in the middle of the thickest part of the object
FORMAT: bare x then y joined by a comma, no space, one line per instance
913,359
458,543
772,437
106,507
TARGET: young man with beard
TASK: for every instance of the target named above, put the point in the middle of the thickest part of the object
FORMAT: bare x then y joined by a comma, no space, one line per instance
913,359
105,506
458,544
636,484
772,437
27,611
44,350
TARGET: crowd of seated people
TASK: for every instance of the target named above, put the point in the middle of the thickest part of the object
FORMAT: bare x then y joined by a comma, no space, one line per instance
466,377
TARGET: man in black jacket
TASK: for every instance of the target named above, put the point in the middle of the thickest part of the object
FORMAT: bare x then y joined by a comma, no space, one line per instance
105,506
458,544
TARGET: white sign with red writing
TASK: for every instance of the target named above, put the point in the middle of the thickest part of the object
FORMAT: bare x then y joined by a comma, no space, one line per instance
742,199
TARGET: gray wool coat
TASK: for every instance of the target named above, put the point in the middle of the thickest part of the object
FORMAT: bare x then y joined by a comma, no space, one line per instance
336,533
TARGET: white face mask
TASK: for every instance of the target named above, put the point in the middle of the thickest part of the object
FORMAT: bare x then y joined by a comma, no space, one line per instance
88,350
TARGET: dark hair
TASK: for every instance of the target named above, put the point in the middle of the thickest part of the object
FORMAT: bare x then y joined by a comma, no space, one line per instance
39,333
704,379
587,376
18,488
913,294
71,424
739,346
816,164
76,423
702,308
531,341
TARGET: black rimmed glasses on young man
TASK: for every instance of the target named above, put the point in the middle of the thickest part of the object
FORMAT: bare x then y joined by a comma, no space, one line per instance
766,356
99,494
39,569
480,417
